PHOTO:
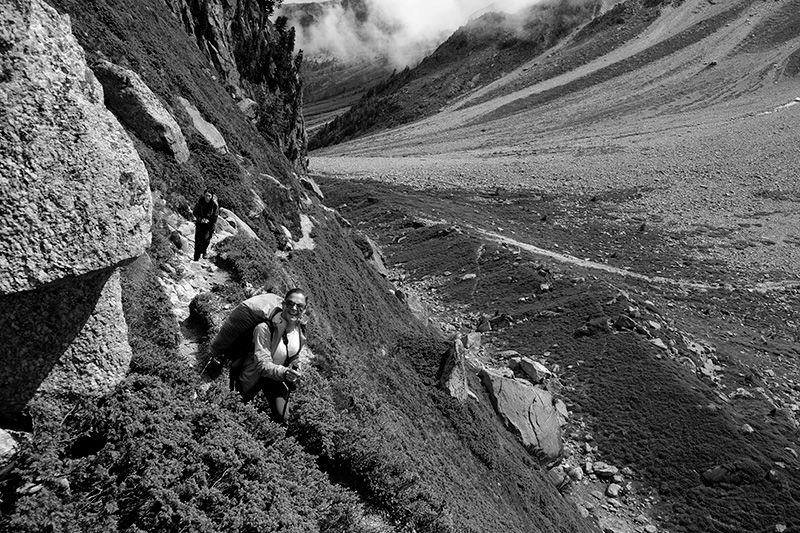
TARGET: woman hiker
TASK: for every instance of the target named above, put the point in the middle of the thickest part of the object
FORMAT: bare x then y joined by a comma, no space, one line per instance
205,214
271,366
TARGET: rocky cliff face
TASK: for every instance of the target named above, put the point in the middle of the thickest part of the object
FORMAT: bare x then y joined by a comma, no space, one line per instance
77,205
254,60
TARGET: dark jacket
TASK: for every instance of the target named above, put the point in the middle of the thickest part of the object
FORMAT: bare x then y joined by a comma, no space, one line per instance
206,210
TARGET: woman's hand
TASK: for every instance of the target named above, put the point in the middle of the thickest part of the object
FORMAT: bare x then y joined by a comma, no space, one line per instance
292,375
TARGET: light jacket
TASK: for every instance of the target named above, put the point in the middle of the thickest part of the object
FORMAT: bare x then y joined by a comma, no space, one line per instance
271,357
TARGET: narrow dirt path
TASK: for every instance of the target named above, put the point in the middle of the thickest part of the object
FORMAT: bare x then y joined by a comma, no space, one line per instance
190,279
572,260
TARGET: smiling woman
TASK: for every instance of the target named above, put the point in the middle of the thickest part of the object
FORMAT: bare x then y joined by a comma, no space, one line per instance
263,336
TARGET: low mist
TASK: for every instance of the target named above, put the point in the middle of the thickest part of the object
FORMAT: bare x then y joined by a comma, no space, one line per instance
404,32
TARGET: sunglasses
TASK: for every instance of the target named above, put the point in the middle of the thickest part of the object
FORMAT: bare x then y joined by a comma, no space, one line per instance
290,304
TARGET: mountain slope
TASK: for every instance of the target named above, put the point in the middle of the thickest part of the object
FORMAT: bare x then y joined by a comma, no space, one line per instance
480,52
372,445
658,172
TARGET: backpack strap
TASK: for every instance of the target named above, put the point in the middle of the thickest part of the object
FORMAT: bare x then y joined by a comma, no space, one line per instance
285,336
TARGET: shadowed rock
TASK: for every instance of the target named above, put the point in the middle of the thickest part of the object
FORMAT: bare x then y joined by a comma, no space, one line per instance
528,412
453,373
135,105
77,205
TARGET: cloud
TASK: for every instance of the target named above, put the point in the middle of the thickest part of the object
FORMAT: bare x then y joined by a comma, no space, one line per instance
402,31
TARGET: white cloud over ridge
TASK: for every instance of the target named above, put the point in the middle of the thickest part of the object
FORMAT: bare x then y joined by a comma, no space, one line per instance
401,30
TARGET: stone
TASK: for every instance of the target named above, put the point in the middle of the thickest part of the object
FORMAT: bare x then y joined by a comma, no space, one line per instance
650,528
746,429
235,222
562,410
613,490
417,306
370,251
180,242
312,186
209,132
500,321
473,340
249,108
576,473
484,326
534,370
528,412
77,206
135,105
780,528
453,376
467,277
658,342
603,470
76,193
8,446
625,322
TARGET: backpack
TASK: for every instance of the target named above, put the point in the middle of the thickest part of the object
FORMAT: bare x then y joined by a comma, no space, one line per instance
238,363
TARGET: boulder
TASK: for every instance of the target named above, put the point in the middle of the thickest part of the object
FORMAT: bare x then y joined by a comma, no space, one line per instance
76,194
209,132
417,307
235,222
453,373
8,447
370,251
249,108
77,206
135,105
528,412
603,470
535,371
473,340
312,186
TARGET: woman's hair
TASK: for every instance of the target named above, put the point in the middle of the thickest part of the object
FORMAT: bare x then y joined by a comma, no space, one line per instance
208,191
294,291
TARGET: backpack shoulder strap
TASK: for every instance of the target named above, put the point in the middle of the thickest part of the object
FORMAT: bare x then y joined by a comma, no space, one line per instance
270,318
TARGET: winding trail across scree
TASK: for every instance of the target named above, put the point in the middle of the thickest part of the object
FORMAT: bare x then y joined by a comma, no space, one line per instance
569,259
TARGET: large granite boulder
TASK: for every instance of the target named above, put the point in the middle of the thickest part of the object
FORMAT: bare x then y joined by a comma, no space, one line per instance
76,206
529,412
135,105
76,194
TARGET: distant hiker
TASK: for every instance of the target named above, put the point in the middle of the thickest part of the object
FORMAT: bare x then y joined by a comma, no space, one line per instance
264,336
205,212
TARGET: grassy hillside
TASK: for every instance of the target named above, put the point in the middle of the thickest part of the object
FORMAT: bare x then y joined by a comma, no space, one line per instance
372,445
644,409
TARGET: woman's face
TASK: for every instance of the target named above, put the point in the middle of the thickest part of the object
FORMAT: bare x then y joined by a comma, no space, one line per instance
208,196
294,307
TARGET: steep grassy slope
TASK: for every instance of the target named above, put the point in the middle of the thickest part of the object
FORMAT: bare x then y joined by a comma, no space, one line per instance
644,408
371,440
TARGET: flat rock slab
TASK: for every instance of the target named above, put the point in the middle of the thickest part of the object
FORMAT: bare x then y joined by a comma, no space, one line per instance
529,412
